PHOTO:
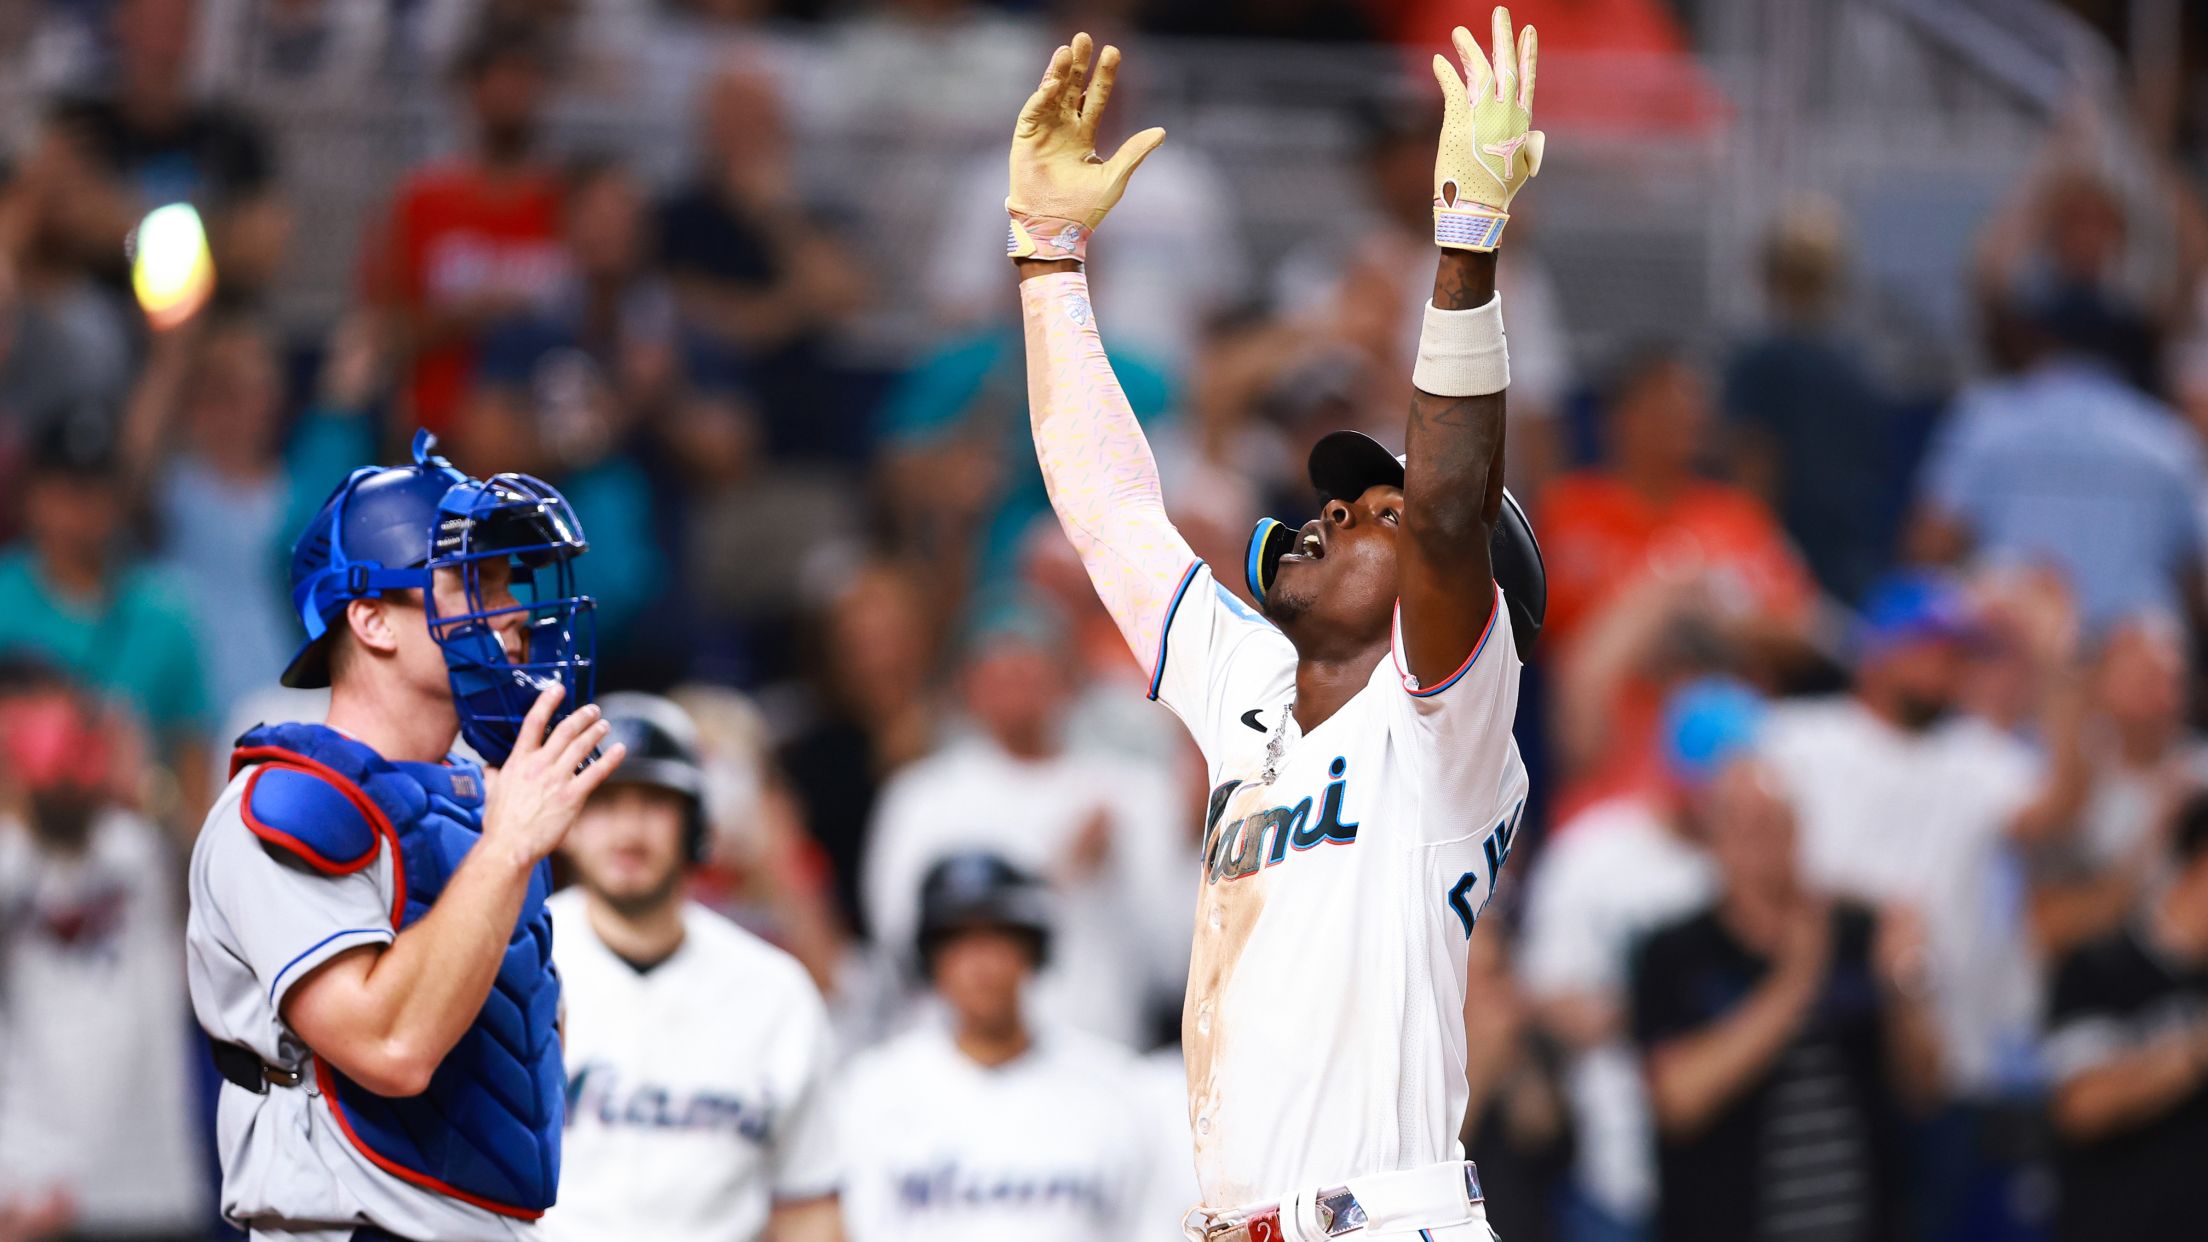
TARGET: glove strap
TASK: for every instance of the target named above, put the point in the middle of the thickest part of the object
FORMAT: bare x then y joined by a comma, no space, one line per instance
1468,226
1045,237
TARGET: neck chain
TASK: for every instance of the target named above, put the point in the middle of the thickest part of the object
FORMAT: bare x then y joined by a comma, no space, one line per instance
1276,744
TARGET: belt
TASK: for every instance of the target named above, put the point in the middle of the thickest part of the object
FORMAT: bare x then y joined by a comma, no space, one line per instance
243,1067
1336,1210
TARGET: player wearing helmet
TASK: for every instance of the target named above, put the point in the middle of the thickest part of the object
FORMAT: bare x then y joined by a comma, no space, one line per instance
368,948
697,1054
1365,785
984,1126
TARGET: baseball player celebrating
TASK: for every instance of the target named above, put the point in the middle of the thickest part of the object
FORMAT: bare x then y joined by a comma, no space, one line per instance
368,947
697,1054
1358,733
987,1129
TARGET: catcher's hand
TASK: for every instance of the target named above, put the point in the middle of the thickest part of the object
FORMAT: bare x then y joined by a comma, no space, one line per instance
1061,188
1488,146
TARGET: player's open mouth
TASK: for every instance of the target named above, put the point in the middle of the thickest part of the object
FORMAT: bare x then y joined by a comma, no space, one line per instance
1310,545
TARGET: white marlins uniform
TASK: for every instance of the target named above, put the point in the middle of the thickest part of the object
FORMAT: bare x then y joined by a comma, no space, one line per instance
1058,1143
1324,1021
695,1089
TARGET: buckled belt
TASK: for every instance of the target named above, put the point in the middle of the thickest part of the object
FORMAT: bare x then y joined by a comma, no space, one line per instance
241,1066
1337,1210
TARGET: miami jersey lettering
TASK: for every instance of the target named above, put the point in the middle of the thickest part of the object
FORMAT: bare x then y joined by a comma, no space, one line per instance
1344,872
695,1089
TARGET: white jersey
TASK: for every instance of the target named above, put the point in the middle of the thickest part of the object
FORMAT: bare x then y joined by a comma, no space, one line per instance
1324,1020
694,1089
95,1072
1057,1143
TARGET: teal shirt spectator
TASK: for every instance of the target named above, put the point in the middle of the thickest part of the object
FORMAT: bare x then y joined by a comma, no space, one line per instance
137,644
984,377
623,571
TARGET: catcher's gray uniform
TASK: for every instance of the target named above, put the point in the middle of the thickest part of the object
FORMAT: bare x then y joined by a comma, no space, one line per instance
260,922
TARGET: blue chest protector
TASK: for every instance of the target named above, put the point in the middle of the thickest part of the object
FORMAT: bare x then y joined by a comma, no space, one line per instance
487,1130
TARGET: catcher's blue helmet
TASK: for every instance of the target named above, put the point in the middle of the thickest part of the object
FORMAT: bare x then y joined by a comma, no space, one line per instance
392,527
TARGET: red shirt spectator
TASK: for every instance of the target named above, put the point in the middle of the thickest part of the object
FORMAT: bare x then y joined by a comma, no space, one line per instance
1642,553
1599,534
477,240
462,240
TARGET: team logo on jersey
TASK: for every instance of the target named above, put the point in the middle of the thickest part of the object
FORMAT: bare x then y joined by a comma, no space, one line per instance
595,1092
1468,897
950,1185
1263,838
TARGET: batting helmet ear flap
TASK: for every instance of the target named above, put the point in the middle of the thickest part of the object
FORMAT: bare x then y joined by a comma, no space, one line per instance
1268,543
1516,557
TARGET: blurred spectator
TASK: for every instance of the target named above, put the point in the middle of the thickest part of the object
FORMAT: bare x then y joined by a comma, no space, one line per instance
1517,1129
2057,244
64,342
562,390
1175,250
2065,464
206,436
1614,873
1363,301
1646,510
108,159
1812,433
2128,1044
473,240
70,596
954,69
2146,763
866,716
762,869
1903,800
995,1124
959,466
97,1111
1785,1035
753,271
1104,832
1656,573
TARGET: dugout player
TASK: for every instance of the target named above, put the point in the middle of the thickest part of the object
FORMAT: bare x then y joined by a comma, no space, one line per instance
1365,785
697,1054
368,947
983,1127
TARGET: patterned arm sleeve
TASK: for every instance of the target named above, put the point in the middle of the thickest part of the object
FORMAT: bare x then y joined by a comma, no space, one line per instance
1096,464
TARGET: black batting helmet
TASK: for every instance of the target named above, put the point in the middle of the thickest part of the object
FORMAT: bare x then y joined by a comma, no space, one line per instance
981,889
1343,464
663,754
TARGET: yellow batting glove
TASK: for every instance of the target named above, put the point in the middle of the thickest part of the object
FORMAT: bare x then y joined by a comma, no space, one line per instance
1488,146
1061,188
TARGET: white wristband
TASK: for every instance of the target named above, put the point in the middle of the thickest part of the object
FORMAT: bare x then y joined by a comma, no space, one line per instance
1461,353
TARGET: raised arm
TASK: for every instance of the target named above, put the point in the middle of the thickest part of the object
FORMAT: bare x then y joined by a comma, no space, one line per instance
1453,477
1096,464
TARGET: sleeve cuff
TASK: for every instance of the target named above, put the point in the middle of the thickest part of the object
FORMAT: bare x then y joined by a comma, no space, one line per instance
321,951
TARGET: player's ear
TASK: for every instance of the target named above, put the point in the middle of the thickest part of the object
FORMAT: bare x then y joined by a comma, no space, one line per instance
370,623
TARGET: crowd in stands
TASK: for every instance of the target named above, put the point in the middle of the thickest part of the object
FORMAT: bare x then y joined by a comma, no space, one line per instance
1867,896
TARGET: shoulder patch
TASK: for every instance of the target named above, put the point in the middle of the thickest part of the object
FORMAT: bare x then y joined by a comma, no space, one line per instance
310,818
